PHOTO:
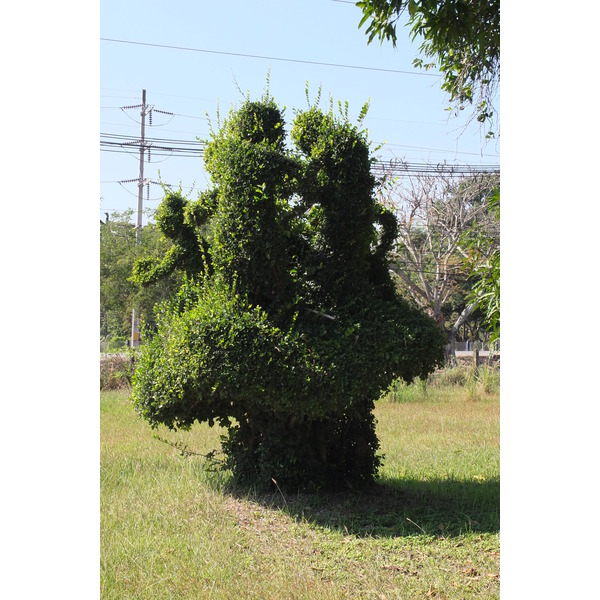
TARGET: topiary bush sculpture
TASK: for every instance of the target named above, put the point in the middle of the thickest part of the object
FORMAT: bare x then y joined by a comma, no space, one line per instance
288,326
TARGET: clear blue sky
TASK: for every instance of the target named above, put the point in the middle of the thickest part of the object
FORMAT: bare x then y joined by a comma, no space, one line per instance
407,110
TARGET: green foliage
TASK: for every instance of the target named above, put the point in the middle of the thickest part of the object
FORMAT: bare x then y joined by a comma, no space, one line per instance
400,391
119,293
181,223
483,260
252,222
288,335
461,36
477,382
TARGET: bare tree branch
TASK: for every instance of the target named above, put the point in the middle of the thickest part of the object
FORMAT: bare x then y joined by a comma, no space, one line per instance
434,212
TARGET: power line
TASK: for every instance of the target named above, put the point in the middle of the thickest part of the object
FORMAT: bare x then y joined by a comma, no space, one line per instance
163,151
165,147
150,139
156,146
405,168
192,117
292,60
389,145
385,146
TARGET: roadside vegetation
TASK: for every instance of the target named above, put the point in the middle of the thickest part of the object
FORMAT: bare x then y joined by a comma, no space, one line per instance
173,524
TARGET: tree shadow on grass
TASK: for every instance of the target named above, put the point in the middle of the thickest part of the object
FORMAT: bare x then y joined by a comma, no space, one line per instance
394,507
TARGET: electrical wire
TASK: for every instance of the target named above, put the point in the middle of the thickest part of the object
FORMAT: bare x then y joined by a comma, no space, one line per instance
192,117
292,60
385,145
195,149
158,146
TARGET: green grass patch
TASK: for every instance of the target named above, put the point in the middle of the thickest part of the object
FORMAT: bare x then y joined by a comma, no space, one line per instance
453,383
174,526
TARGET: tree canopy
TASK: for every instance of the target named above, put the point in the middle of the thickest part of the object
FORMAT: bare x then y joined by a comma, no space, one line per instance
288,326
461,36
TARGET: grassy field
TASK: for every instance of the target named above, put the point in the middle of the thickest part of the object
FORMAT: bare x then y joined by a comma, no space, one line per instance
171,527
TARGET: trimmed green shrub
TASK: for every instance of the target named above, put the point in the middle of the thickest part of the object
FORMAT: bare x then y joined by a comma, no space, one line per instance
288,327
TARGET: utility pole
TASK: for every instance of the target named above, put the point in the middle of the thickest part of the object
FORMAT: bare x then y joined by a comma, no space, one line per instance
145,110
135,320
141,175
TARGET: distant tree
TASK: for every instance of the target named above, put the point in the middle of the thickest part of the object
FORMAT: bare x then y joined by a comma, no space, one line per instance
119,295
288,327
436,215
461,36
